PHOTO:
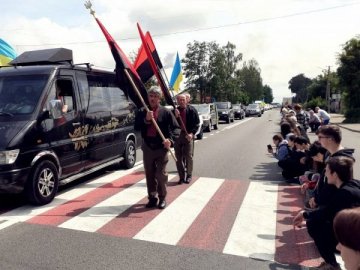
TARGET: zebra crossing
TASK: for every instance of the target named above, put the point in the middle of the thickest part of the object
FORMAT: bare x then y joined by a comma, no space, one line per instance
238,217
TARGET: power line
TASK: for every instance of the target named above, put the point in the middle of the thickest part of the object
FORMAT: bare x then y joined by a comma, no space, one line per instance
211,27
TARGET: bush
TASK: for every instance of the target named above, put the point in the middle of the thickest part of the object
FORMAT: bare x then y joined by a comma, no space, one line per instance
316,102
352,116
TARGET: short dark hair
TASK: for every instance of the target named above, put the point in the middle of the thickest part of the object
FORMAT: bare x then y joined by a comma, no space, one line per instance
343,166
277,137
316,148
301,140
292,137
347,228
332,131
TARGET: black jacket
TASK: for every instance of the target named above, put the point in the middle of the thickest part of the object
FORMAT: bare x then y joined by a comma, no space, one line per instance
192,119
324,192
347,196
166,122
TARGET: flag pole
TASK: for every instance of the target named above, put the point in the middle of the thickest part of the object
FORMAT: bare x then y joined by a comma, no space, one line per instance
147,110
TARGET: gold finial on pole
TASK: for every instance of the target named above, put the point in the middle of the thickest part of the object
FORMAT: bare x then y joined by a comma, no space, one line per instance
88,5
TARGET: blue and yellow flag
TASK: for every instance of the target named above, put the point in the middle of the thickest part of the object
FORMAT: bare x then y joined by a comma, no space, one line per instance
7,53
176,76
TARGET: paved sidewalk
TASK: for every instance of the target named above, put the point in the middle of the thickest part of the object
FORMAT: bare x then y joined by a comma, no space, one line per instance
337,119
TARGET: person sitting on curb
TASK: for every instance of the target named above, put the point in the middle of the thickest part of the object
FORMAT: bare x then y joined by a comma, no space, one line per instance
319,222
323,115
330,137
282,150
314,121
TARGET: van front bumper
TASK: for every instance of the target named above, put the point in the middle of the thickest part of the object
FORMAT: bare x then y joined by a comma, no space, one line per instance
13,181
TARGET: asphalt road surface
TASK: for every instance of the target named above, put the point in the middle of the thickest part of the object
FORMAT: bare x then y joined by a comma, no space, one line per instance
236,214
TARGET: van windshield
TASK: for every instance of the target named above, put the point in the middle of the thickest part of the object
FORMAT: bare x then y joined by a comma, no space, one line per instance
19,94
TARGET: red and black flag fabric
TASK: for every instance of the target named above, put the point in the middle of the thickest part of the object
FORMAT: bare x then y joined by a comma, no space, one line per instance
156,69
122,64
142,63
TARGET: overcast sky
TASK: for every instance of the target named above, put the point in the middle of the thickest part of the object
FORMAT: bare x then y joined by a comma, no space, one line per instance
286,37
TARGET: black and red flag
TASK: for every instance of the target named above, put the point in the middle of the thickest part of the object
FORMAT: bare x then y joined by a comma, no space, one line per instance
154,67
142,64
122,64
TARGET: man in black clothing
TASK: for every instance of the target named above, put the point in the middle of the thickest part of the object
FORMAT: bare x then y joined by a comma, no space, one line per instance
184,144
319,222
155,150
330,138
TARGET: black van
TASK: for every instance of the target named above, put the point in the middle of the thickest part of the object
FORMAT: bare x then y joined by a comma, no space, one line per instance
59,122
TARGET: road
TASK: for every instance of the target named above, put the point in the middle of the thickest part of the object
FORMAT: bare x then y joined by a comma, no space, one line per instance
236,214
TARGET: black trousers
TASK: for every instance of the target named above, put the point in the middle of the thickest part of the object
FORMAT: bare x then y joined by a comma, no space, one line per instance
323,234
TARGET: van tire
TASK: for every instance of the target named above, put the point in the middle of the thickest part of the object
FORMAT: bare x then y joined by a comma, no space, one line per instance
129,155
42,184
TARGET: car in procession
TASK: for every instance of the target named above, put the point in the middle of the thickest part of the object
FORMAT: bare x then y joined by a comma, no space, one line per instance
239,112
59,122
225,111
253,109
209,115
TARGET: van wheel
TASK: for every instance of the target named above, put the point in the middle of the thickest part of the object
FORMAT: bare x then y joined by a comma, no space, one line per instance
43,183
129,155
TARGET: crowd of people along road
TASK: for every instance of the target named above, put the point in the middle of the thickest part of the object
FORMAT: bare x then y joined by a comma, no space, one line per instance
178,129
324,171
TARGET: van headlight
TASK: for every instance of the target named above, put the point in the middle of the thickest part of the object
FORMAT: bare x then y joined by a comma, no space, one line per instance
9,157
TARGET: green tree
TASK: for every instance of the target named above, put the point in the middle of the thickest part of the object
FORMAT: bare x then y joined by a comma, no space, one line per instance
349,78
268,95
251,82
196,68
298,85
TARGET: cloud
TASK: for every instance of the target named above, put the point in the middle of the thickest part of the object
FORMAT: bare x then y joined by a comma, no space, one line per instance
286,37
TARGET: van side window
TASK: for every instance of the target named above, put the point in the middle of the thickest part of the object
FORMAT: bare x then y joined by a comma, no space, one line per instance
64,92
105,95
118,99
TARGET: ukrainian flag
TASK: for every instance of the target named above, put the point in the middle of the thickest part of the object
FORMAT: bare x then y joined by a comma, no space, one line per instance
176,76
7,53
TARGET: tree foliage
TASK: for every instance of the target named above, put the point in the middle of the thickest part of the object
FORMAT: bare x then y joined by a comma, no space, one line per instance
212,70
268,95
349,77
250,77
298,85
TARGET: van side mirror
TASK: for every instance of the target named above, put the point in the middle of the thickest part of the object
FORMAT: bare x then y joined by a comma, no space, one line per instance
55,108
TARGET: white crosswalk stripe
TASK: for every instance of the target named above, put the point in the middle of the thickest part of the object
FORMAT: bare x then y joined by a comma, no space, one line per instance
189,204
253,234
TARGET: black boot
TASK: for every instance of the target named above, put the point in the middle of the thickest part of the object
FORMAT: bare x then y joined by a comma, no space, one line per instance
162,204
152,202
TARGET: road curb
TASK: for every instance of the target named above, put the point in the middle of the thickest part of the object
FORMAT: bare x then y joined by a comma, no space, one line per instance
350,129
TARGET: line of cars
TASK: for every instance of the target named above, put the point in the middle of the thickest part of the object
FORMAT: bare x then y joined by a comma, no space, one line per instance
211,113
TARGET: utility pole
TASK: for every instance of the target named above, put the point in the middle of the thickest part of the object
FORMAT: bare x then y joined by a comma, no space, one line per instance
328,98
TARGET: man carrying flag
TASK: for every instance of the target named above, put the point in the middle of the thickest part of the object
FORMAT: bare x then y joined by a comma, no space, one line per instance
155,150
176,75
154,123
